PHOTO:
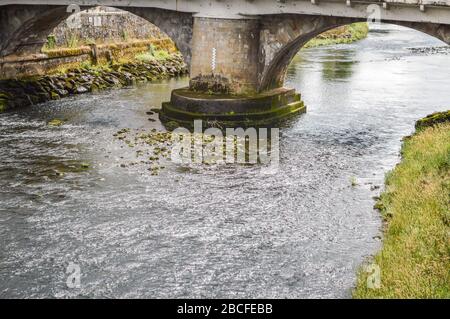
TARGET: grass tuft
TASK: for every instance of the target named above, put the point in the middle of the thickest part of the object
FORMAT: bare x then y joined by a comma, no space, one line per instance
152,55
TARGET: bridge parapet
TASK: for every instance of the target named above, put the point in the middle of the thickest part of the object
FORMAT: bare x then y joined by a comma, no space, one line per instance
431,11
240,8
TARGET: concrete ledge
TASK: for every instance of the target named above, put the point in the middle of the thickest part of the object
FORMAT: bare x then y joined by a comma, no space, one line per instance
259,110
196,102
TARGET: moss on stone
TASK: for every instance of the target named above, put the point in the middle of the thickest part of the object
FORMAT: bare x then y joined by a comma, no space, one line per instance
433,119
66,52
54,96
4,95
3,105
171,115
172,125
56,122
84,165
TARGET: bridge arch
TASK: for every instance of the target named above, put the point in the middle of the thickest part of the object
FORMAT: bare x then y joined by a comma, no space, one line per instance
283,37
25,27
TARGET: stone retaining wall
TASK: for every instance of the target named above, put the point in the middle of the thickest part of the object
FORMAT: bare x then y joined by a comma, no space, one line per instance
51,60
104,24
23,92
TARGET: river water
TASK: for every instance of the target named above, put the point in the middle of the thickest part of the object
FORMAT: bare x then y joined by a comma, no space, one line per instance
214,231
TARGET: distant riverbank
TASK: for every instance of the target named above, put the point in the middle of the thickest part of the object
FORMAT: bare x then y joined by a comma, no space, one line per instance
414,261
345,34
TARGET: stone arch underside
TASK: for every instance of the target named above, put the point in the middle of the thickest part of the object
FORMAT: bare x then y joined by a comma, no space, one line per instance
282,36
24,28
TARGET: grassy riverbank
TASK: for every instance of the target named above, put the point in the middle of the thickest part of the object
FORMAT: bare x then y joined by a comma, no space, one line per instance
415,258
345,34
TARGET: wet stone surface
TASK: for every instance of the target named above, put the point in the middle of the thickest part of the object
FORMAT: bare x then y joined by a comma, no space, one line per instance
31,91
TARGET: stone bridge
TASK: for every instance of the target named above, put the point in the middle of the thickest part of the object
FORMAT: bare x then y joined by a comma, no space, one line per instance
238,50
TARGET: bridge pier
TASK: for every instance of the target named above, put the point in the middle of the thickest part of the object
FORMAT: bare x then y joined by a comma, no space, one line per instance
225,76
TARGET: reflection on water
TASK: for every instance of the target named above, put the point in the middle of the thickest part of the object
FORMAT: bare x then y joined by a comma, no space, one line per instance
213,232
336,63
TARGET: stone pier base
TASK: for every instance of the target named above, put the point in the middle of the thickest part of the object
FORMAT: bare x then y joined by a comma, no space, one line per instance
264,109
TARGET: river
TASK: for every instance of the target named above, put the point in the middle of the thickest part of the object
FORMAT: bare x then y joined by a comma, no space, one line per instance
214,231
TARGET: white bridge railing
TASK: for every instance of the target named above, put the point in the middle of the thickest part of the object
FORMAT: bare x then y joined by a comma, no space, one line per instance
426,11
